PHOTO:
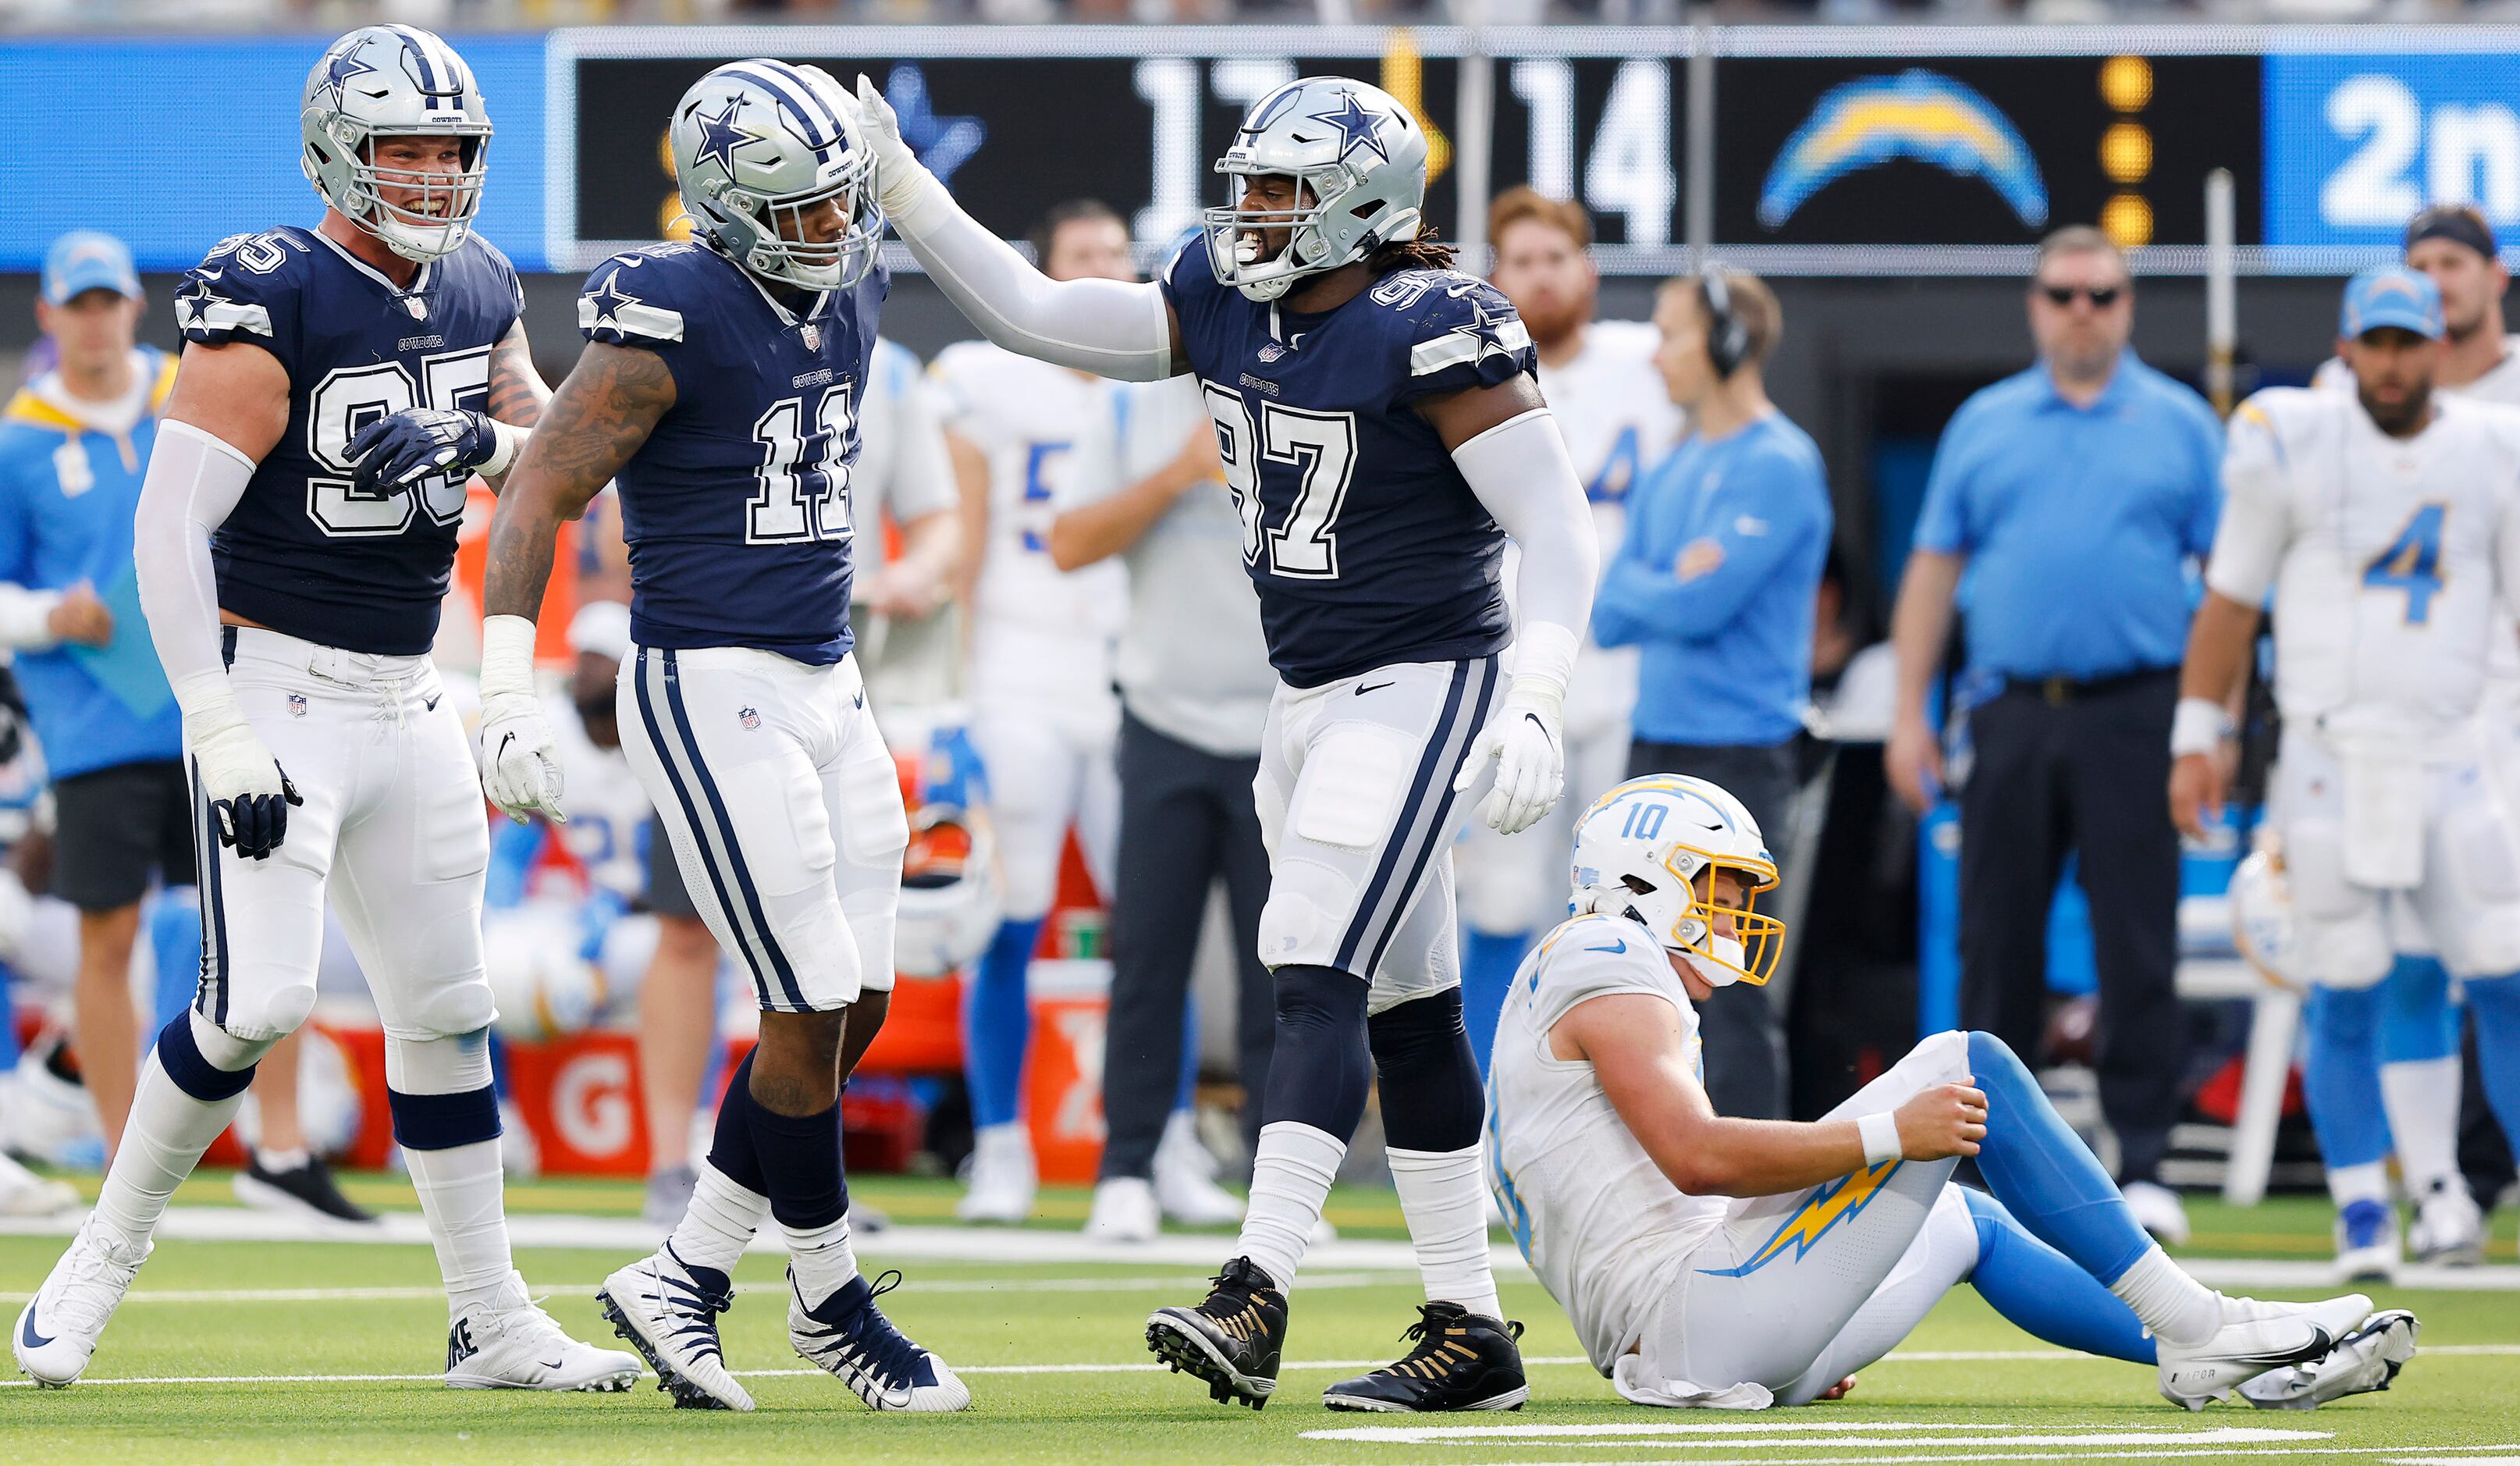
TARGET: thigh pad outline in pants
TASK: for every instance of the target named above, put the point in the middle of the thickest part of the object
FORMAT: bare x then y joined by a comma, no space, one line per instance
1797,1267
2470,899
1368,817
2341,930
1036,778
862,799
408,881
724,742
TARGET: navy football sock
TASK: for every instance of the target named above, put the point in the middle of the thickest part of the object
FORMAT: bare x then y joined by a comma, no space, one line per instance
1431,1099
1320,1070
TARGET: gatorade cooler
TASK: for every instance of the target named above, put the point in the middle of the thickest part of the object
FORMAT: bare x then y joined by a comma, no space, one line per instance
1071,1008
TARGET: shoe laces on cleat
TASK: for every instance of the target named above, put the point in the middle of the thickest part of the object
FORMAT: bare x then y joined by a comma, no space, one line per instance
693,1305
853,1331
1233,1299
1440,1349
93,1278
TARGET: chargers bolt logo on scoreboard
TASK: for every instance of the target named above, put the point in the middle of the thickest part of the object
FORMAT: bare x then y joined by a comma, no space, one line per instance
1918,115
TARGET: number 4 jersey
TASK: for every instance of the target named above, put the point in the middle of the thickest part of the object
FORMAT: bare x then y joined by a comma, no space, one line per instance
2390,559
306,552
737,508
1367,546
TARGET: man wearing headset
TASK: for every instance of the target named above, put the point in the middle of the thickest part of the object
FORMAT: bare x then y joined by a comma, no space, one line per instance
1717,581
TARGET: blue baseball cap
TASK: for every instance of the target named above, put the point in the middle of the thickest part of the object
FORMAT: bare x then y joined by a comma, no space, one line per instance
83,260
2392,294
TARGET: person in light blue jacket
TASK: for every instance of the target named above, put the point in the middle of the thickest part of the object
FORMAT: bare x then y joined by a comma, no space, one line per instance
1718,580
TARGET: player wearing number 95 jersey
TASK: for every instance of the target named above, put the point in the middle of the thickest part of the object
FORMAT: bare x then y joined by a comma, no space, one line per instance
293,538
1378,422
719,387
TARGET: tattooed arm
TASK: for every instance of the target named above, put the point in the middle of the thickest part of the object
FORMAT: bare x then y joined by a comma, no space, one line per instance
602,414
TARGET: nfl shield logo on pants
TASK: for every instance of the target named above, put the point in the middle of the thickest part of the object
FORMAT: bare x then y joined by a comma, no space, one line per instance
751,717
296,704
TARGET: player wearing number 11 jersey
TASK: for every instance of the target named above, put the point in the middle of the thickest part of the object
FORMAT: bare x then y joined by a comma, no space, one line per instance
1378,422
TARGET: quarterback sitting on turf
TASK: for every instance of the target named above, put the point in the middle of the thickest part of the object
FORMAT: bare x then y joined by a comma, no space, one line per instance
1664,1228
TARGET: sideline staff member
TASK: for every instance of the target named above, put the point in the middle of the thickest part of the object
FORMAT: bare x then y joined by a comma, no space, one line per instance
2074,493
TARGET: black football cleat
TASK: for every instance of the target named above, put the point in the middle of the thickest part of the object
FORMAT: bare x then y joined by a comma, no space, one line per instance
1463,1361
1232,1341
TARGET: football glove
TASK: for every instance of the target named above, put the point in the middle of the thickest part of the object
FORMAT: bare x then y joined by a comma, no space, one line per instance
520,769
398,451
1526,742
901,179
249,794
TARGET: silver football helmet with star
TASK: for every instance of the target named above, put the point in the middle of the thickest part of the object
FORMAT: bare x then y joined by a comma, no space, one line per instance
381,81
1361,159
761,145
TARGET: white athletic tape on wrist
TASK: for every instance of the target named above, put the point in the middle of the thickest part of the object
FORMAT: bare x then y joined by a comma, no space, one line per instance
2198,725
507,655
508,444
1880,1134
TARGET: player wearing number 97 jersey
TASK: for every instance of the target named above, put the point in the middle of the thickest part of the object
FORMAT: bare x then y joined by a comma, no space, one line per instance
294,539
1378,422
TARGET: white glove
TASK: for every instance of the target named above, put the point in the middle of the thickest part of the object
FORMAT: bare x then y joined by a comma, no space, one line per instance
520,767
247,792
901,179
1529,749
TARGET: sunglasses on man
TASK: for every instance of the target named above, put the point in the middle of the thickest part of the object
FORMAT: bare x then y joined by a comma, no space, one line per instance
2101,296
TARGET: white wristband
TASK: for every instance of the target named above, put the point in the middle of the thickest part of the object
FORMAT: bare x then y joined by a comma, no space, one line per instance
2197,727
1543,659
507,655
509,445
1880,1134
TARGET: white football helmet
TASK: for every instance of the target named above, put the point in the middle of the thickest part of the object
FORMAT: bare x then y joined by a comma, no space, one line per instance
2262,927
761,143
1638,852
1360,156
952,896
383,81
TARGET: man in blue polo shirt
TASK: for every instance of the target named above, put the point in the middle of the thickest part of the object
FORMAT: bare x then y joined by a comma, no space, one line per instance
1718,581
2073,496
73,446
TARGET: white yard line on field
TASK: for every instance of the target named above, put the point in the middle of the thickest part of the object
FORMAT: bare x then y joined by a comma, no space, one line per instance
413,1294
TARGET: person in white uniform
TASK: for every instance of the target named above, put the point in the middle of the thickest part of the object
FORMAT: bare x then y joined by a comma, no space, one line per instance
1618,421
2387,523
1043,722
2431,1103
1713,1262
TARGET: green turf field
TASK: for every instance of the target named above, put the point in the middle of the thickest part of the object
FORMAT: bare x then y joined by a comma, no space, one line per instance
1053,1354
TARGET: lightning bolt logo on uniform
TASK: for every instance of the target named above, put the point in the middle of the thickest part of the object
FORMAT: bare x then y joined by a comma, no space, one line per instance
1840,1201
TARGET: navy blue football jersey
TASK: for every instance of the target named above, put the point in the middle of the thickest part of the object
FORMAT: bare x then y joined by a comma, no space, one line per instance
1367,546
737,508
306,552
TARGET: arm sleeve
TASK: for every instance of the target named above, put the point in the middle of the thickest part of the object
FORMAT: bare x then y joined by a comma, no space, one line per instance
1522,475
2256,523
1108,327
194,482
1756,544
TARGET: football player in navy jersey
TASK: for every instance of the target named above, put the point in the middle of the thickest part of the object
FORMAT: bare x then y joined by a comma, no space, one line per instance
294,535
1383,431
721,387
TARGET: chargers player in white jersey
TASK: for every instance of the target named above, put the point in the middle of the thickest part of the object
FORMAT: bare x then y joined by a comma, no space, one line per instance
1379,424
1044,720
1619,421
720,387
1728,1264
2386,520
296,529
2421,1068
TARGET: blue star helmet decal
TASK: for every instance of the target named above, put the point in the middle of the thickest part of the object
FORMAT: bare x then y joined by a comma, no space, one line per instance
1359,126
721,135
612,300
343,67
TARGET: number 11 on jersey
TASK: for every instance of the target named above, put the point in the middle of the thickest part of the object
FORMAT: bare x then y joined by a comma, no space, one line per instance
781,510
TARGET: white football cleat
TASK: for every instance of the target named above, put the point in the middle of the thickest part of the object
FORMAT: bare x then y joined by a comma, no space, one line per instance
2158,1210
2255,1336
509,1344
2449,1230
848,1336
2364,1361
1186,1178
58,1328
670,1317
22,1193
2367,1241
1124,1211
1001,1183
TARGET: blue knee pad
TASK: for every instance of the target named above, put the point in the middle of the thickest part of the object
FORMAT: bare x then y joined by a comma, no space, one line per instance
1431,1096
997,1024
1320,1070
2041,1291
179,1053
2495,1002
1488,964
440,1090
2043,1173
2417,1020
2340,1076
